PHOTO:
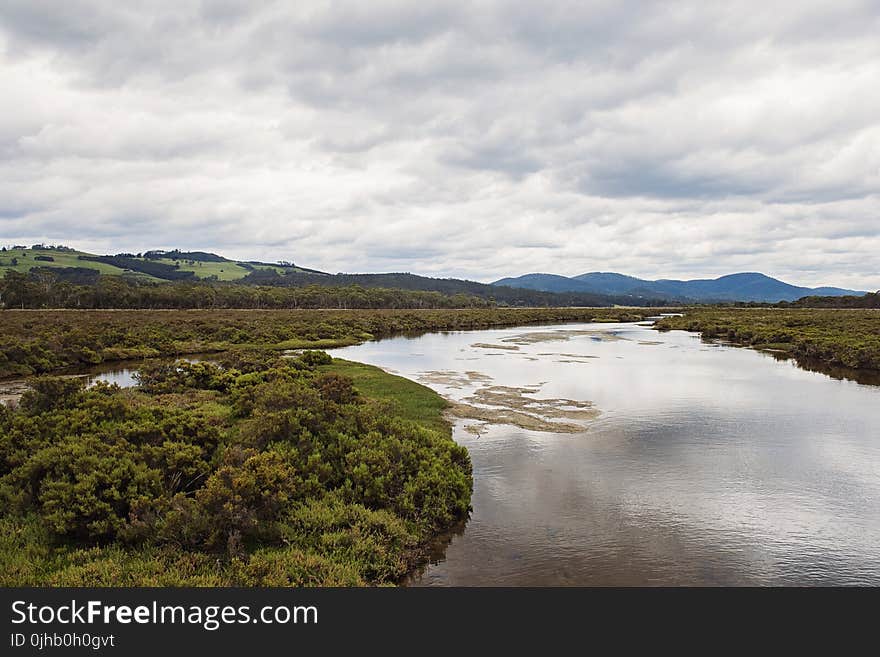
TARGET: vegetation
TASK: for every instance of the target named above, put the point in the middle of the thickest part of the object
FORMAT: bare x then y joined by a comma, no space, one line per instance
151,266
82,287
42,341
22,259
78,288
500,294
870,300
850,338
258,471
60,277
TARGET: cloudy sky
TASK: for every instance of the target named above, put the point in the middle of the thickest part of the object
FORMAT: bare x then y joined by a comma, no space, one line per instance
478,139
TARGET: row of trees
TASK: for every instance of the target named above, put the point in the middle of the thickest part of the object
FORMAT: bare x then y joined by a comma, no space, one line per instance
504,295
43,289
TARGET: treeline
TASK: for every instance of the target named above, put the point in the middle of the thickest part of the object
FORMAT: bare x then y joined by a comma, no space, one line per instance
869,300
177,254
156,269
508,296
43,288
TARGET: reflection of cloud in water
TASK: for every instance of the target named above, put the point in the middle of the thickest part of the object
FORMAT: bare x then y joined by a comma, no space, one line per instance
564,335
708,465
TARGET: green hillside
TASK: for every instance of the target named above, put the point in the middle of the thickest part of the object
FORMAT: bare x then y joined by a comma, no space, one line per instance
224,271
24,259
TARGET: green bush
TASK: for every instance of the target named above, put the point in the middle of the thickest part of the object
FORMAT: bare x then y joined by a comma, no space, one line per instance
207,474
48,393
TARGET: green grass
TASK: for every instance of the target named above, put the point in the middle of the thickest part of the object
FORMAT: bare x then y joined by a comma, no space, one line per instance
26,261
321,343
408,399
224,271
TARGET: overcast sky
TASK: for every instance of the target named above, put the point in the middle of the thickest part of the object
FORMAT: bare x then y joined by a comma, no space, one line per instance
478,139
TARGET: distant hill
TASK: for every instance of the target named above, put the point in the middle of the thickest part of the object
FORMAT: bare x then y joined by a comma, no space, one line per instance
152,266
591,289
156,266
510,296
747,286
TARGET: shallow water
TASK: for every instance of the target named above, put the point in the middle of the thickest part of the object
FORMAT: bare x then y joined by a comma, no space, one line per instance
121,372
707,464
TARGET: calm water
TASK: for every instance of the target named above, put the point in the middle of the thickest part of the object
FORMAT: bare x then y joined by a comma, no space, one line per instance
122,373
708,464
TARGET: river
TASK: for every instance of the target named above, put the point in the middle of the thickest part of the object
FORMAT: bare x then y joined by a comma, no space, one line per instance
705,464
676,462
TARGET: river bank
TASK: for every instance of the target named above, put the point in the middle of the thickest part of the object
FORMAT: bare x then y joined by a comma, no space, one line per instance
833,336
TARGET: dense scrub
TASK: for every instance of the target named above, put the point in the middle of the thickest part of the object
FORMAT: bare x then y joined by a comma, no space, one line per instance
834,336
46,341
258,471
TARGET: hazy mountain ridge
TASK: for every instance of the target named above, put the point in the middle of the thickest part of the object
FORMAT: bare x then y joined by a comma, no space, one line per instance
744,286
590,289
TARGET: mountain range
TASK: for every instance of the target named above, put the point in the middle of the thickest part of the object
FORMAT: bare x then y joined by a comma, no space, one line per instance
745,286
592,289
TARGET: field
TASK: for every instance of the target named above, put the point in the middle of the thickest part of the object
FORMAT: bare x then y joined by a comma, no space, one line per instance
25,259
844,337
224,271
41,341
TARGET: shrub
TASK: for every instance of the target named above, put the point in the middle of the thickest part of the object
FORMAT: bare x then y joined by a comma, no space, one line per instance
48,393
83,486
278,475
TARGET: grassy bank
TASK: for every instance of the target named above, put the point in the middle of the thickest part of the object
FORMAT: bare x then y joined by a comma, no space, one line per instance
849,338
260,471
41,341
406,399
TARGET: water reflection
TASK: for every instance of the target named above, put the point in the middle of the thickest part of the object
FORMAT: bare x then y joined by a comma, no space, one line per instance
709,464
122,373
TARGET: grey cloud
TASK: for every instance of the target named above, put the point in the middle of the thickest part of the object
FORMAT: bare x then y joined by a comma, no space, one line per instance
493,138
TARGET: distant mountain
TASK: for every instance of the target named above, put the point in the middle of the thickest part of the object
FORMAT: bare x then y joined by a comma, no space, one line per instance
747,286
